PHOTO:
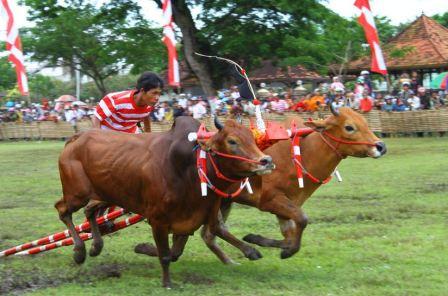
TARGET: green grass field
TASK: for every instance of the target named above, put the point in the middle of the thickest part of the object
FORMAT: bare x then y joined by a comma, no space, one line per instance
383,231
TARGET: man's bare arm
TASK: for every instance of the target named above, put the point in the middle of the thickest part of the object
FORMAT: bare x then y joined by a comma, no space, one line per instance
147,125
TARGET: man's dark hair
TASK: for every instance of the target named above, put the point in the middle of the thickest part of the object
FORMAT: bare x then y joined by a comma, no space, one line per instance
149,80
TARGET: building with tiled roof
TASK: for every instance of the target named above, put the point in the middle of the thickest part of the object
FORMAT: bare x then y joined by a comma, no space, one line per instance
421,47
269,73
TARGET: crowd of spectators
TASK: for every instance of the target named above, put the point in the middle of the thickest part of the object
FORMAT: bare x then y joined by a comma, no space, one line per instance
408,97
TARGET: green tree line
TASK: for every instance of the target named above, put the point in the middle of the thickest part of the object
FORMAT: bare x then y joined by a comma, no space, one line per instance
113,42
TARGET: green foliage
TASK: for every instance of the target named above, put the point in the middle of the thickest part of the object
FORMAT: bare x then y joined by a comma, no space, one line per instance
401,52
374,234
100,42
292,32
442,19
8,77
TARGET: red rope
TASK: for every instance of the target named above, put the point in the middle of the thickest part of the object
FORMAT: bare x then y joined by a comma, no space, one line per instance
348,142
235,157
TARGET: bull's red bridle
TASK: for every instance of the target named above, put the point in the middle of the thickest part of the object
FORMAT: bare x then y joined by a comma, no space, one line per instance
201,164
296,135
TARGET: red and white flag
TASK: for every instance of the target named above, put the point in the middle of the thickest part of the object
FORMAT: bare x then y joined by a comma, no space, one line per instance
14,46
367,22
170,42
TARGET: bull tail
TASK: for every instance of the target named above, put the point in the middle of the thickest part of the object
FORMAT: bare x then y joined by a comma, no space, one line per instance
73,138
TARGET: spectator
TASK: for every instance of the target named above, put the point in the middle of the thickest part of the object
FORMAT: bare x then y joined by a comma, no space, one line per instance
399,106
316,102
367,82
388,105
197,109
338,100
414,103
406,93
379,101
178,110
337,84
279,105
425,100
366,103
350,100
359,88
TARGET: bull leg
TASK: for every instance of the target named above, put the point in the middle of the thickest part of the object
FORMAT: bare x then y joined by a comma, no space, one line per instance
218,228
65,215
90,212
210,239
179,242
160,235
292,223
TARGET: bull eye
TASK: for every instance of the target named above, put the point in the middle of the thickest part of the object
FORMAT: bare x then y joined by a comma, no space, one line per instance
349,128
231,142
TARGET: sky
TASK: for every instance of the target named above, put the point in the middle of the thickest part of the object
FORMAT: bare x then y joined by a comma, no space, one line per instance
398,11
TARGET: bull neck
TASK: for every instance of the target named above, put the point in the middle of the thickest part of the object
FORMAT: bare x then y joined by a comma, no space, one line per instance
316,163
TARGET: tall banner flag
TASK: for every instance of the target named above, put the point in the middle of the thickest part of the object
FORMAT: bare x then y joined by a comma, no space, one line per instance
367,22
14,47
170,42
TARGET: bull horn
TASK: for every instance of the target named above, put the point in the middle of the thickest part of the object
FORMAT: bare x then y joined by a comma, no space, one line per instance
334,111
218,123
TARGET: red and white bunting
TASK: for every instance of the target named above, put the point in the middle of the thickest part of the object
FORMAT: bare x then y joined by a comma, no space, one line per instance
367,22
170,42
14,46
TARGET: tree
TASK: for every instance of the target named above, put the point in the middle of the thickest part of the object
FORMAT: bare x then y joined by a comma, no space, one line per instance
8,78
442,19
99,42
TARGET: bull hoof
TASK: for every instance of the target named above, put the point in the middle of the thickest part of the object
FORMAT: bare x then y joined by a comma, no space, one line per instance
146,249
285,254
96,249
254,254
79,254
251,238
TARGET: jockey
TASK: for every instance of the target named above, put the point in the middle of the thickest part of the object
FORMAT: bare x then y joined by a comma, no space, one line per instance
121,111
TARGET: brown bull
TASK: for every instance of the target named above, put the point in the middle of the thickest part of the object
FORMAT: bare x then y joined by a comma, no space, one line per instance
279,192
154,175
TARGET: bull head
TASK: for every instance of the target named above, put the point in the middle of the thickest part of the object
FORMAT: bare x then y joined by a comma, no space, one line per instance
333,110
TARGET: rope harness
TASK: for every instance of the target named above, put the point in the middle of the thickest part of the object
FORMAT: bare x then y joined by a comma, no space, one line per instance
201,164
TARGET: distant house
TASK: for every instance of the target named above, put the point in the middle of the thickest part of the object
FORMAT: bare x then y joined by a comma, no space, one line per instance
267,73
288,76
422,47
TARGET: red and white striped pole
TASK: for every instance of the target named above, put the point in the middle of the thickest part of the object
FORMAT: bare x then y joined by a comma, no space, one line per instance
84,236
60,235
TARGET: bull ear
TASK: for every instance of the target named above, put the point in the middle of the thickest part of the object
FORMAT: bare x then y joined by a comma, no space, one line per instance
218,123
318,125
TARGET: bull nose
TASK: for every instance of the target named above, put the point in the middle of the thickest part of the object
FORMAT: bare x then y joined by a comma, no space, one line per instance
265,160
381,147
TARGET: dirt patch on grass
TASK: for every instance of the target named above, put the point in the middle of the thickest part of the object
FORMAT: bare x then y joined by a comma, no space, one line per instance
18,283
433,188
197,279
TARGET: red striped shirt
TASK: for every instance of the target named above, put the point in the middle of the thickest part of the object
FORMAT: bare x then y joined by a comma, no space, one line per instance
118,111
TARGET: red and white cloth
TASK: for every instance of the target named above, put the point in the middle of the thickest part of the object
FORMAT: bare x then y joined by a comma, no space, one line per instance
170,41
14,46
118,111
367,22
